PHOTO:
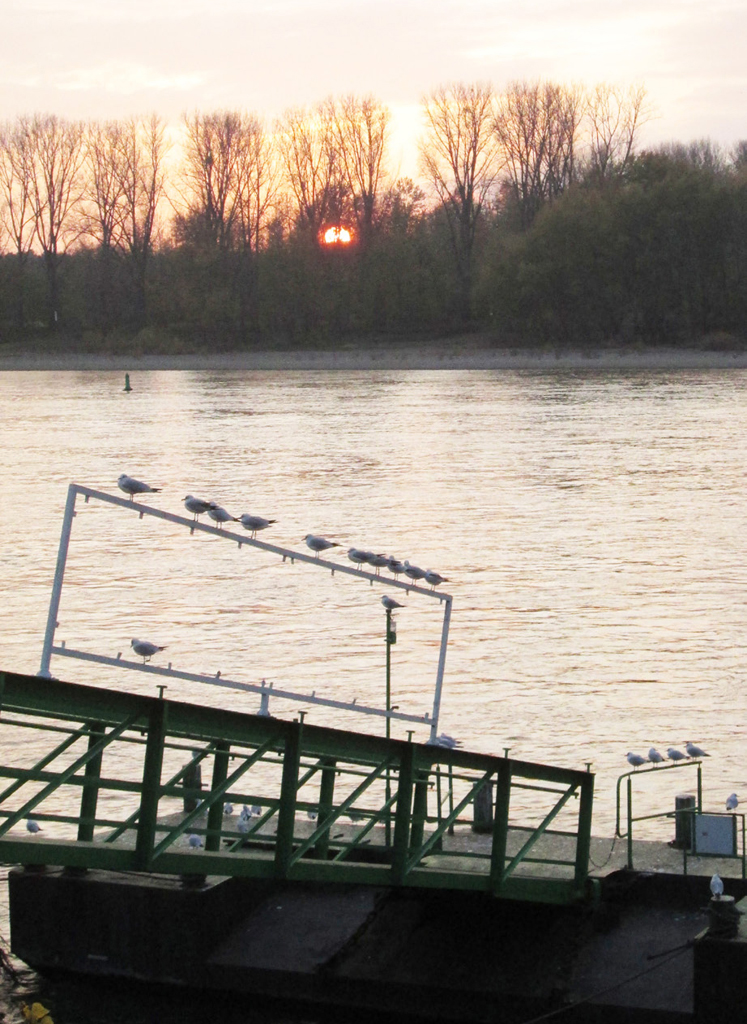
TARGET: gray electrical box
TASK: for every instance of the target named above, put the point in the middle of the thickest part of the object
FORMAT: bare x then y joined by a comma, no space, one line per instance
715,834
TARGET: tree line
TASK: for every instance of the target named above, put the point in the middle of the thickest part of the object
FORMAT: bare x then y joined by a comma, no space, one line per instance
536,217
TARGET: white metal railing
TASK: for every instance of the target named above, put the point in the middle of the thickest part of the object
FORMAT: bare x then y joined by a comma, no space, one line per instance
265,690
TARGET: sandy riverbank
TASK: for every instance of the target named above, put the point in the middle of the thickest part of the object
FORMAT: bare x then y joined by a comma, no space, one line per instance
450,356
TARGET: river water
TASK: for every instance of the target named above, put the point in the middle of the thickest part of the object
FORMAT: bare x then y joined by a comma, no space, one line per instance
589,524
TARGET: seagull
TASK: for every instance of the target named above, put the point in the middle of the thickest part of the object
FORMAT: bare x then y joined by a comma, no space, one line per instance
254,523
395,566
219,515
635,759
357,555
245,813
311,815
444,740
256,809
194,841
414,571
145,649
389,603
32,826
731,802
654,756
228,810
675,755
693,751
717,887
131,486
434,578
242,825
197,506
319,543
377,561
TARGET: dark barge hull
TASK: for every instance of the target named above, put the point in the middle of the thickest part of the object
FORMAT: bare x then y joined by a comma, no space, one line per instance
412,953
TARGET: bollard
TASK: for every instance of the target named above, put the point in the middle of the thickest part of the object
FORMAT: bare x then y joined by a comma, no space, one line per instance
127,383
684,810
723,917
483,810
192,779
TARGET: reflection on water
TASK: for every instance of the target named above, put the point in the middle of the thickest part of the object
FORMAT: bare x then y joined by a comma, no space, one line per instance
590,526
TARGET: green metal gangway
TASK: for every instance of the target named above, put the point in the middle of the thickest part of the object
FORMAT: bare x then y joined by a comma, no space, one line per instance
123,782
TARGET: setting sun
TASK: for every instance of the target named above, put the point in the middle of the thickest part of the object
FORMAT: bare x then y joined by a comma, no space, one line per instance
337,236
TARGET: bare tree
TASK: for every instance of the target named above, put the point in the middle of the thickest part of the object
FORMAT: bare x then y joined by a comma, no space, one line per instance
537,125
106,160
56,187
309,155
361,132
615,116
143,180
15,193
460,157
212,170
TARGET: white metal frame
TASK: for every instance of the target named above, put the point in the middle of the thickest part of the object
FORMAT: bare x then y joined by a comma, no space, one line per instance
265,690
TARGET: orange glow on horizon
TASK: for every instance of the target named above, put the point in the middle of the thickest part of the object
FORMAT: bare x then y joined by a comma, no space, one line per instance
337,235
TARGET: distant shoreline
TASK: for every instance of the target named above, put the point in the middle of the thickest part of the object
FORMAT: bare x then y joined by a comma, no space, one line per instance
449,356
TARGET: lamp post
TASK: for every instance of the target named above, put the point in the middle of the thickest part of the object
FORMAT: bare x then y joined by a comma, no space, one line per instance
391,638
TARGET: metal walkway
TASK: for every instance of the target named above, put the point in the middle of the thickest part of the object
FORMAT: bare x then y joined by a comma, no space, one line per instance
106,775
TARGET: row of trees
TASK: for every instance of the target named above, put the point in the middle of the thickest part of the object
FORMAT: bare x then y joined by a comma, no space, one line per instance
215,229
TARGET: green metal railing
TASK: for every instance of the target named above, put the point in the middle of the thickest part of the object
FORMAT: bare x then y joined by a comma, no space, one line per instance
683,817
107,776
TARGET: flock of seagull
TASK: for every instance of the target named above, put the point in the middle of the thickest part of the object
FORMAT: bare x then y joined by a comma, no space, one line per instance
693,751
317,544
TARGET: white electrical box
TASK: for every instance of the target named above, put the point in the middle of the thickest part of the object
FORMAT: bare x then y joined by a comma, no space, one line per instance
715,834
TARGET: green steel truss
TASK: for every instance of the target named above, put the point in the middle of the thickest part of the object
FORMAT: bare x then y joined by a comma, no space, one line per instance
111,779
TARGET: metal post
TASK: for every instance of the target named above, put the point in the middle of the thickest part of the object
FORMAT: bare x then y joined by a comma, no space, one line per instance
402,816
630,823
391,638
288,791
59,573
90,794
500,827
151,785
440,671
583,839
215,814
326,803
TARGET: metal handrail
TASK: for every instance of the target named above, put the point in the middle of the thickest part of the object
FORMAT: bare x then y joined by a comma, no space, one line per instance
296,768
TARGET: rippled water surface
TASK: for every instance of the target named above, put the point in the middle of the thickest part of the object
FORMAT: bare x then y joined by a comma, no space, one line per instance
590,525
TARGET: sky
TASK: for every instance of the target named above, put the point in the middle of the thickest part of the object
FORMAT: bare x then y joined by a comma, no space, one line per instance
99,59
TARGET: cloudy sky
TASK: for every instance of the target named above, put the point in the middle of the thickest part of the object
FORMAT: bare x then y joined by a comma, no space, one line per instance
112,58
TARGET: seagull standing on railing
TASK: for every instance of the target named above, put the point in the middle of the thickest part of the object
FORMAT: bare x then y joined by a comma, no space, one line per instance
318,544
732,802
145,649
693,751
357,556
197,506
635,759
395,566
654,756
675,755
377,561
254,523
414,572
434,578
131,486
219,515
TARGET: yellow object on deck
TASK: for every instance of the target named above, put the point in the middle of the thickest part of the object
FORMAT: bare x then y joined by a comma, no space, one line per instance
37,1013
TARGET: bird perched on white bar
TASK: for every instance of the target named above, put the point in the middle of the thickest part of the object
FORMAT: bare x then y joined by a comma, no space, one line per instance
693,751
732,802
197,506
131,486
655,757
254,523
434,578
675,755
377,561
145,649
717,887
636,760
358,556
219,515
414,571
318,544
389,603
444,740
395,566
